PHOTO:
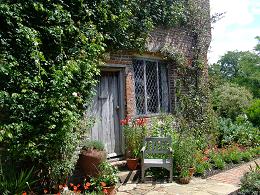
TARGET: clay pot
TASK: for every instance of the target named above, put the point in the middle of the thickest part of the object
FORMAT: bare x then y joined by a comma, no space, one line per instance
184,180
89,161
110,190
132,163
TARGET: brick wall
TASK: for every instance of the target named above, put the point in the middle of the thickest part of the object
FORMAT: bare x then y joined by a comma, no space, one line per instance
177,39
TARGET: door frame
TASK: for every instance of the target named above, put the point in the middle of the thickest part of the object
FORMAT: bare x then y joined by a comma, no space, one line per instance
121,98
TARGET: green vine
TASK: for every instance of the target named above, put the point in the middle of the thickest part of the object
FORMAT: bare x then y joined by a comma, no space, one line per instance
50,57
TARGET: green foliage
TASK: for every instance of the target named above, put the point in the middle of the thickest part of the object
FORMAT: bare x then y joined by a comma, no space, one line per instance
108,174
163,126
231,100
195,114
246,156
200,169
250,182
184,152
240,68
14,181
241,131
134,132
229,64
253,112
94,144
217,160
50,53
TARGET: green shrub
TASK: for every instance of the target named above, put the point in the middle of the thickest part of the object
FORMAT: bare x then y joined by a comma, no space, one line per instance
254,151
246,156
226,156
200,169
250,182
241,131
218,161
253,112
94,144
14,180
230,100
235,156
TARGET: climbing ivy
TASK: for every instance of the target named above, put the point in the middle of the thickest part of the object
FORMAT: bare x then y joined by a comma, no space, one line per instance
49,57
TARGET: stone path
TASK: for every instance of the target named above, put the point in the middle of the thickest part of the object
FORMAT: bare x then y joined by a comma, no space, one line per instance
220,184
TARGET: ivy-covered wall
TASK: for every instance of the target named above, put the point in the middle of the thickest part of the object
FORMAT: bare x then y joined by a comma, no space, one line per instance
180,42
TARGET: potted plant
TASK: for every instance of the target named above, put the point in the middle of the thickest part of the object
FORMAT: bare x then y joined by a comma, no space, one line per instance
107,178
134,133
184,177
91,156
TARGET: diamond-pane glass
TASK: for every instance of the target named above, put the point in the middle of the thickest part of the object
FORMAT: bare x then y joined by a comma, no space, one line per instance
139,87
151,87
164,90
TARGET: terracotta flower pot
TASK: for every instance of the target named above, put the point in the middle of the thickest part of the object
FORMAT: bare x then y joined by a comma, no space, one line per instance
132,163
89,161
184,180
109,190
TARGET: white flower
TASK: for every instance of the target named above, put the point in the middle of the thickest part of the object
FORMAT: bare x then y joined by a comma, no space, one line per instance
75,94
160,123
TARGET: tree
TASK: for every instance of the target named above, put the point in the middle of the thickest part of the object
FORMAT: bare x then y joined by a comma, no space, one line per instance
242,68
229,64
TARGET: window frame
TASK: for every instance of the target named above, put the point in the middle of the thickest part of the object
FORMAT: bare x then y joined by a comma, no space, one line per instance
159,87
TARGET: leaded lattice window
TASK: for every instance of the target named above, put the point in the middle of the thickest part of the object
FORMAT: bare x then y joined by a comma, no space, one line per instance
151,87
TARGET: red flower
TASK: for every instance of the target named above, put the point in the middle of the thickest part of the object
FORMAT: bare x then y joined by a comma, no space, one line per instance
75,188
71,184
58,193
88,184
140,121
78,185
45,191
105,191
24,193
205,158
125,121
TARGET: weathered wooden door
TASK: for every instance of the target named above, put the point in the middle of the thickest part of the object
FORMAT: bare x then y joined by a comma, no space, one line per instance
107,110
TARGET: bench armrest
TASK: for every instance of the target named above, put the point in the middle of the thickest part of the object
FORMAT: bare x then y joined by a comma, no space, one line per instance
170,150
143,149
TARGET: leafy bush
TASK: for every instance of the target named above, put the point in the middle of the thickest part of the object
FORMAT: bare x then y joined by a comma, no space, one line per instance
250,182
184,152
253,112
217,161
246,156
13,180
241,131
230,100
50,57
235,155
200,169
94,144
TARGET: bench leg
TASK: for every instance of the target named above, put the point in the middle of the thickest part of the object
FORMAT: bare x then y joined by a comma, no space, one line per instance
170,179
142,173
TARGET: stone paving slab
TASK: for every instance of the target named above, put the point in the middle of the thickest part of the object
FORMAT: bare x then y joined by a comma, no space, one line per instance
220,184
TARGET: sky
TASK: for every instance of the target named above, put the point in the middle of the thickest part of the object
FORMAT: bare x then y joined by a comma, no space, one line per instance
237,29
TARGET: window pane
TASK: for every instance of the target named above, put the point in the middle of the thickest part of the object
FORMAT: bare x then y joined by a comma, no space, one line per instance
164,90
151,87
139,86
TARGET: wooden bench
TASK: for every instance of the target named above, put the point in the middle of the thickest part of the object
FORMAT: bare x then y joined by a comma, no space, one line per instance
157,146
